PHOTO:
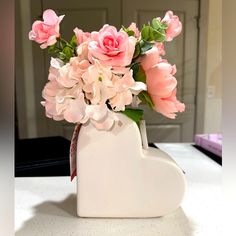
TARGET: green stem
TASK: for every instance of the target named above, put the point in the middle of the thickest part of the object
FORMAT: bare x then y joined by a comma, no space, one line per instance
67,44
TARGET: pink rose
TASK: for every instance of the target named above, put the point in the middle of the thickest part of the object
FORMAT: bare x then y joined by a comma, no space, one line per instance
81,36
111,47
161,48
151,58
160,80
134,28
174,25
161,85
168,106
45,32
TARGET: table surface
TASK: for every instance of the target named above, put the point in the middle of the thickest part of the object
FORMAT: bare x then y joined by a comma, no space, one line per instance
46,206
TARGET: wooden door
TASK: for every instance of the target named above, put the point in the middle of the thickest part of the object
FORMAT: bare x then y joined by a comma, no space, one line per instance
182,51
88,15
91,15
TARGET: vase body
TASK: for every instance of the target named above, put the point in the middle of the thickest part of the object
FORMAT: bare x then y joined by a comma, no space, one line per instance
118,178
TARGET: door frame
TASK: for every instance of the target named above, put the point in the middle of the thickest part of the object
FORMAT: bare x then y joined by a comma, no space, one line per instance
201,66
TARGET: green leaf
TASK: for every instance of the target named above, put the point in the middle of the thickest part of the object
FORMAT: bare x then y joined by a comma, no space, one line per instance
159,36
137,51
156,24
135,114
68,52
145,98
130,32
135,68
140,75
62,56
53,50
62,44
145,33
73,41
145,46
164,26
123,28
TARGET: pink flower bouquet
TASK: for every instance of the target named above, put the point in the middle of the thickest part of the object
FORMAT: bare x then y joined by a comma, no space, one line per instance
95,75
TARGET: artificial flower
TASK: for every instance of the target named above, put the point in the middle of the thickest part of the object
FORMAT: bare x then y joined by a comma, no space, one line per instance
112,47
46,32
174,25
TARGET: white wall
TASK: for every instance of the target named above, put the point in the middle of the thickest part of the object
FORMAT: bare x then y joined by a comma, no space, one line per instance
213,100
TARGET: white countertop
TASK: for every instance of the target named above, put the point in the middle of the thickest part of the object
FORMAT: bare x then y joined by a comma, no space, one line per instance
47,206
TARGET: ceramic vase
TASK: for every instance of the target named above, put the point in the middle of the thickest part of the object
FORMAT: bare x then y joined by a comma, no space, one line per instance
118,178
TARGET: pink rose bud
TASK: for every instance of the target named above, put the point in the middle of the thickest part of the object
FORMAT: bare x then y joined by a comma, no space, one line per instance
45,32
134,28
81,36
174,25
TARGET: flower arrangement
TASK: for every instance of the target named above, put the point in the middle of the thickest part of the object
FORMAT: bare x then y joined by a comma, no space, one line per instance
94,75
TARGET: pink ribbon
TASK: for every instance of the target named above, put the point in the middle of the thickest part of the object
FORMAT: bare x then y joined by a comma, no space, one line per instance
73,151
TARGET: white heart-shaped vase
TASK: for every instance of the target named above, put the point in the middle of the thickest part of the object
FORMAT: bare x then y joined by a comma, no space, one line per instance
118,178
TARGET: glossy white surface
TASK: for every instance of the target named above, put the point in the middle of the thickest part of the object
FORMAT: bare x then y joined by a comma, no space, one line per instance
118,178
47,206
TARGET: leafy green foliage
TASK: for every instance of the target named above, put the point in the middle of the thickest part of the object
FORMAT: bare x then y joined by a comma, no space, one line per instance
145,46
137,51
164,26
68,52
73,41
145,98
156,24
151,34
63,50
138,73
145,33
154,32
135,114
128,31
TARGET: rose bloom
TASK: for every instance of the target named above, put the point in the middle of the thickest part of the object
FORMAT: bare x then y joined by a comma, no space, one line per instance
135,29
174,25
168,106
151,57
111,47
46,32
81,36
161,84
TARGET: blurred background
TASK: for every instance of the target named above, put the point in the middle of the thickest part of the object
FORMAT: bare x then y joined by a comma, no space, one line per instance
196,53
